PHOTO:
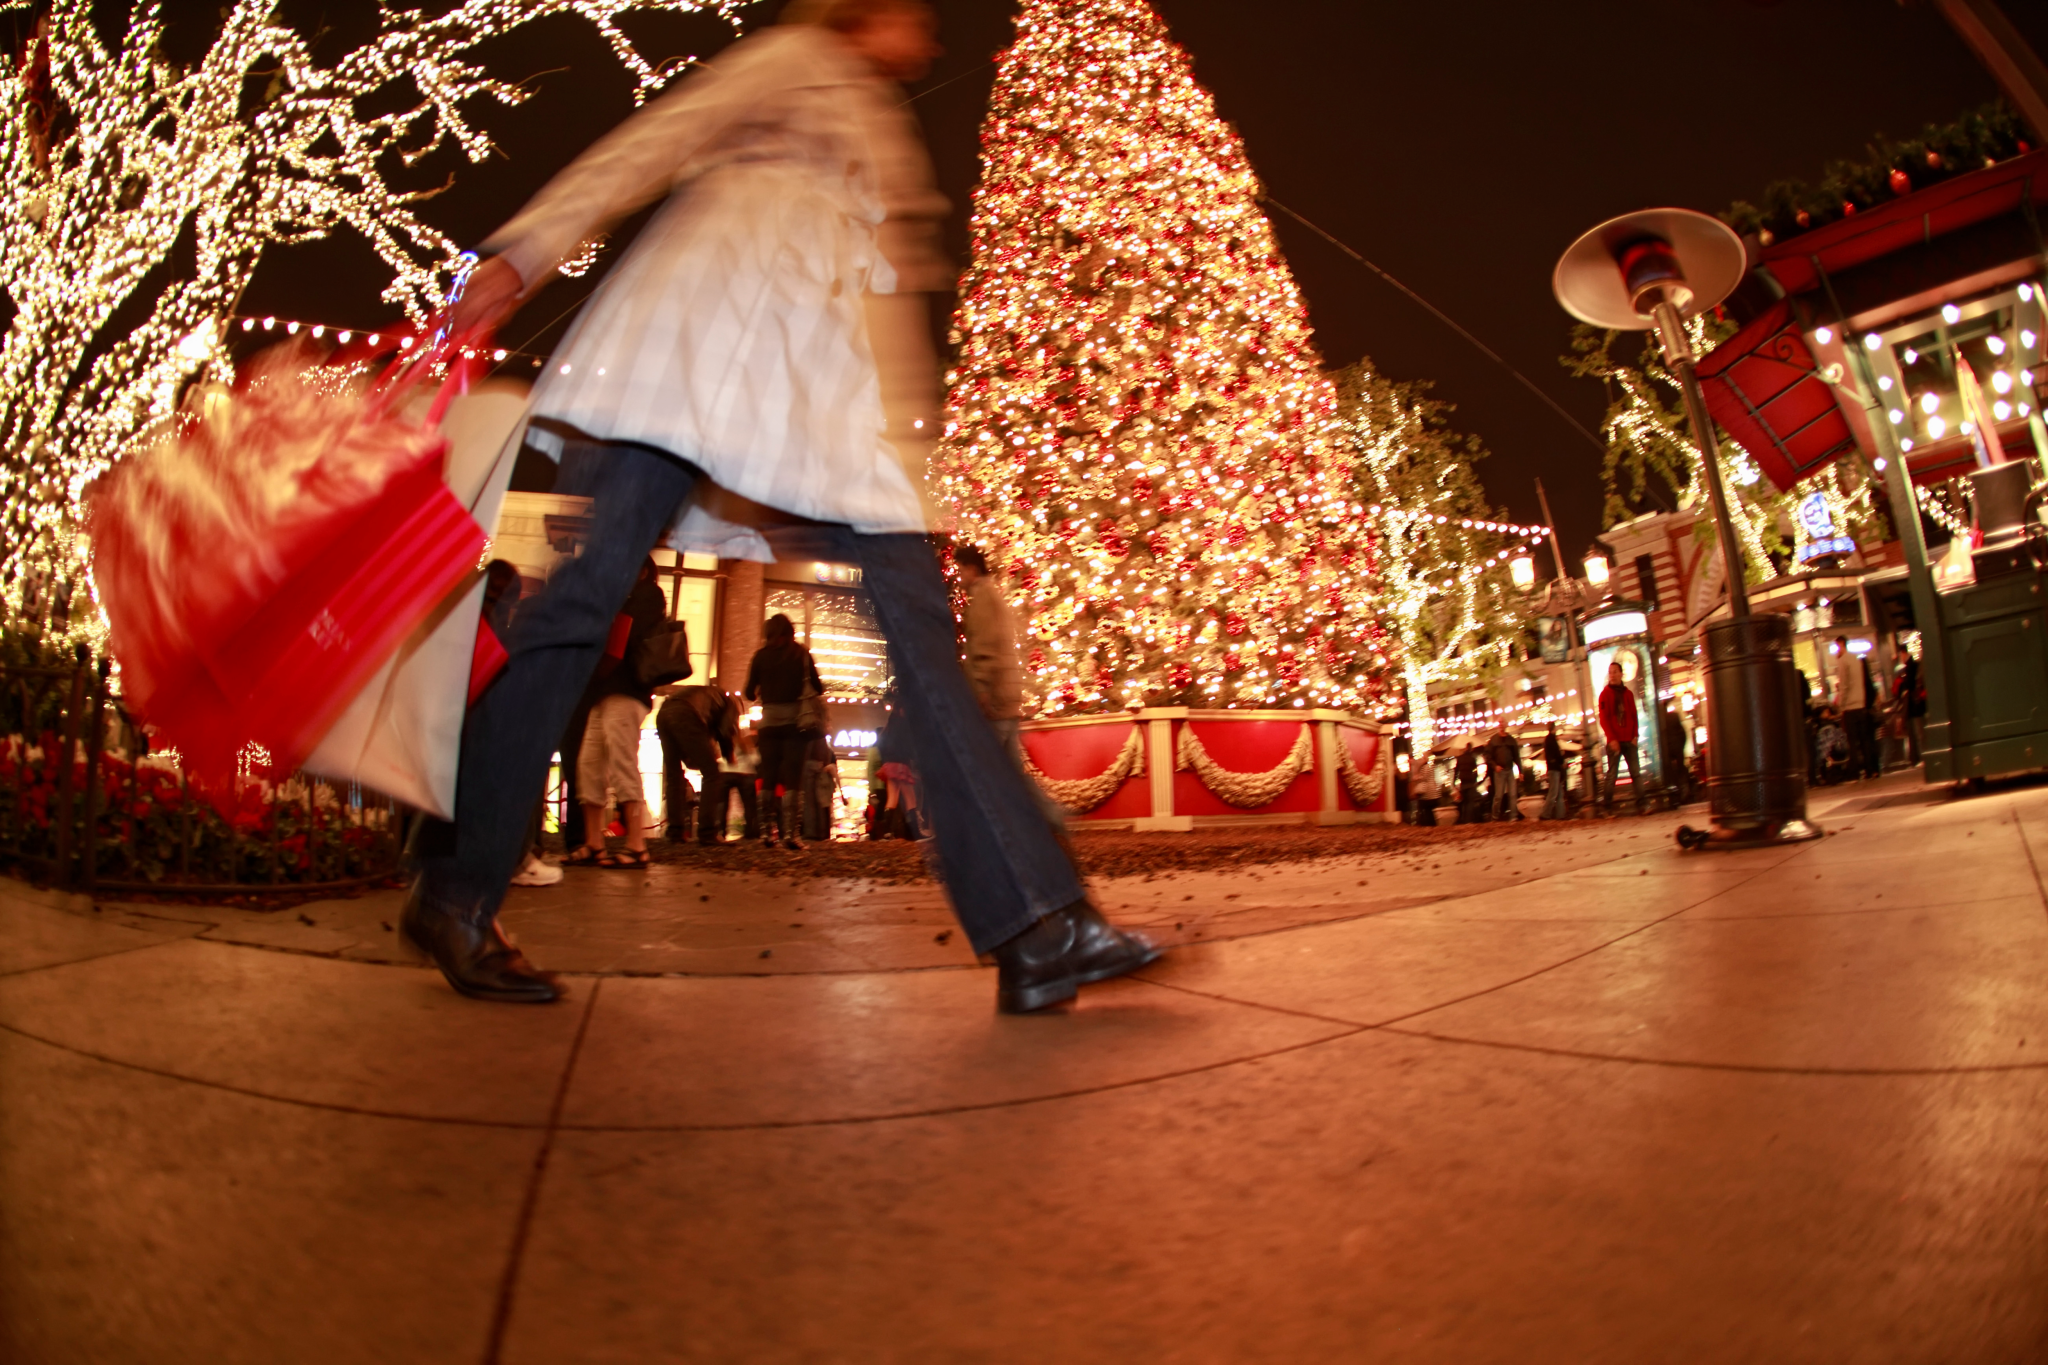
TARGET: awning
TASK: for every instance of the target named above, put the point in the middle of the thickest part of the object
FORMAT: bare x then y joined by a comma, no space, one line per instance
1762,384
1762,388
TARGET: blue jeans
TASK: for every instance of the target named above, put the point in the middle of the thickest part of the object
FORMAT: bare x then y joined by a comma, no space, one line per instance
1003,866
1617,751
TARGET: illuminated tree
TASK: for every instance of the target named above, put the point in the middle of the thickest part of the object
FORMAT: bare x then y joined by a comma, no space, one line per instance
1446,606
140,195
1137,427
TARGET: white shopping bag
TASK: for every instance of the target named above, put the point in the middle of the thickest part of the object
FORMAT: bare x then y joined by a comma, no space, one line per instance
402,735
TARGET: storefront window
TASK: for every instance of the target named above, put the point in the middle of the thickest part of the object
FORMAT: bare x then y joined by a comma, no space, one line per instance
1942,377
839,628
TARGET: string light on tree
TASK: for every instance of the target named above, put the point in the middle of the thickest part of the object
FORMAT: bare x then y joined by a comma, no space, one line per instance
1442,553
126,174
1137,427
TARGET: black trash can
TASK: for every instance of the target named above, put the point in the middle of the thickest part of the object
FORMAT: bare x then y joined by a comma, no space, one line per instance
1756,756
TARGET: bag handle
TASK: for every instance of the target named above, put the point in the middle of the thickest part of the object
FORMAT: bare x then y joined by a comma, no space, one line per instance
460,349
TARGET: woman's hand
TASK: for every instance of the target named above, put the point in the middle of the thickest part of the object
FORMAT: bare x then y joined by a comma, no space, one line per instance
492,294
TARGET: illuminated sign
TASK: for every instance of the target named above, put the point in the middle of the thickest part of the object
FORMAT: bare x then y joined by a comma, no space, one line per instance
1819,525
1836,545
1615,625
854,739
840,575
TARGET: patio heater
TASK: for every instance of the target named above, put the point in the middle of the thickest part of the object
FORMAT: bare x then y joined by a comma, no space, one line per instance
1655,269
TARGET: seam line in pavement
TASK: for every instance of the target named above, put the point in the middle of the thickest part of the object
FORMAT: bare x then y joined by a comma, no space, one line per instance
1757,1068
226,1087
501,1317
947,1110
1342,1030
2027,847
163,942
1474,995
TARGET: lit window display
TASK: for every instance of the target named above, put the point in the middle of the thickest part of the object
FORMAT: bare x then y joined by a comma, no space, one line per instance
1966,374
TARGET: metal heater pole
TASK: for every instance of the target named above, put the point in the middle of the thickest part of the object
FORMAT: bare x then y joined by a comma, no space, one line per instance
1756,771
1678,355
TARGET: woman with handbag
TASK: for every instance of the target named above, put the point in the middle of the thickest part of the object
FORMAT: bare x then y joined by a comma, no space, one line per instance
783,679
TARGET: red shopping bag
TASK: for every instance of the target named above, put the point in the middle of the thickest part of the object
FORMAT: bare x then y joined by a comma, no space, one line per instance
259,565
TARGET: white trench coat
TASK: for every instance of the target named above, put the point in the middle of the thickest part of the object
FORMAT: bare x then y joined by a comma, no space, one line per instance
765,324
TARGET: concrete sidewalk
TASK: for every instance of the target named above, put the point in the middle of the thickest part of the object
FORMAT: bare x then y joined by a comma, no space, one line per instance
1566,1095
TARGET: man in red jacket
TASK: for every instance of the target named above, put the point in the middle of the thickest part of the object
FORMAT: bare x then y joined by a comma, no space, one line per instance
1618,727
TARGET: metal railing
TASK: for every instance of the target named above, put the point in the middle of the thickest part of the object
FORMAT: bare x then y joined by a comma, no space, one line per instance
84,806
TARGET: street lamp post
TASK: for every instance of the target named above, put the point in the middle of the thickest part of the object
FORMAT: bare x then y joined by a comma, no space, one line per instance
1655,269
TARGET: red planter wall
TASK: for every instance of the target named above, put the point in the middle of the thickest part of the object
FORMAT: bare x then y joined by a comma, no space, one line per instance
1365,755
1079,751
1251,743
1246,746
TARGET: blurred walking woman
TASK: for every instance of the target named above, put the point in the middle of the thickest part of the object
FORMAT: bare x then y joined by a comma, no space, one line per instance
781,678
758,365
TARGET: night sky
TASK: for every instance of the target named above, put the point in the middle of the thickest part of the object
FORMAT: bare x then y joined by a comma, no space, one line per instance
1461,146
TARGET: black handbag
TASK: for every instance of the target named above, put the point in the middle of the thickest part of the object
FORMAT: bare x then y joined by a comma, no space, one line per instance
663,656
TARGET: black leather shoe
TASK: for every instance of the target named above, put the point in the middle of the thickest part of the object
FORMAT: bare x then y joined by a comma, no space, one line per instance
478,960
1066,950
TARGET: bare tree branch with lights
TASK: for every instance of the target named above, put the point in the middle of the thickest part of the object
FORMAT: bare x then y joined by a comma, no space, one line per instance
1443,552
1138,429
141,194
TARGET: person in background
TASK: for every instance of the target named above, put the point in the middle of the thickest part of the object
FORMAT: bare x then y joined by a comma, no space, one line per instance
1677,772
1809,714
1471,807
1618,726
1556,804
608,767
871,762
989,635
738,775
756,366
697,725
1852,695
1424,791
896,766
821,787
781,677
1912,697
1503,774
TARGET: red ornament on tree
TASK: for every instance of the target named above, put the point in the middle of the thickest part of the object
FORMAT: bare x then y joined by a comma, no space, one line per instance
1803,218
1901,183
1933,160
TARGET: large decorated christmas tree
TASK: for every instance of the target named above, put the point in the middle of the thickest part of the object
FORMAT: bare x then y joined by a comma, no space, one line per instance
1138,430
